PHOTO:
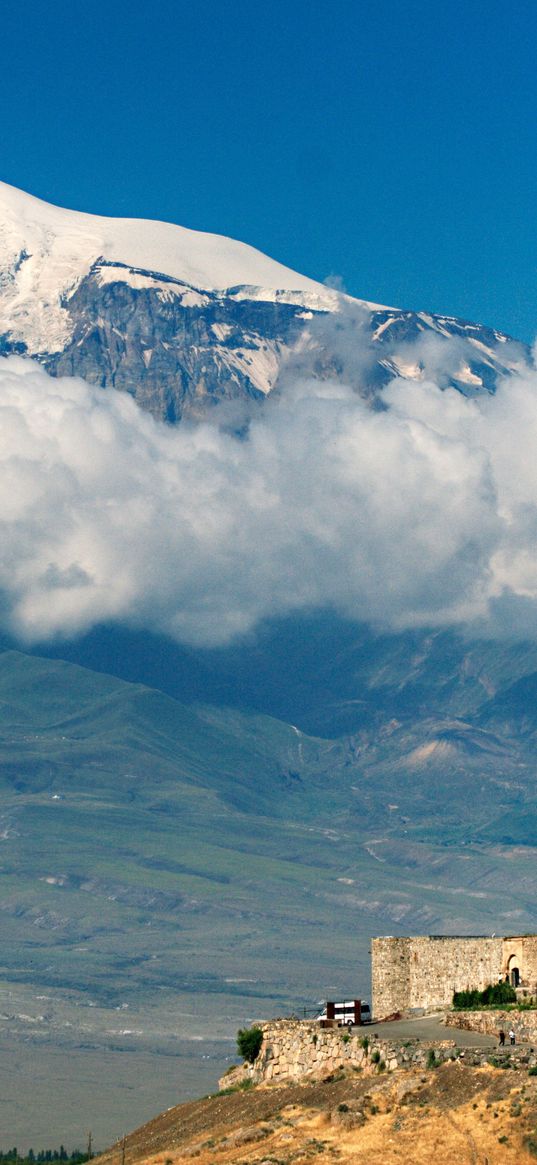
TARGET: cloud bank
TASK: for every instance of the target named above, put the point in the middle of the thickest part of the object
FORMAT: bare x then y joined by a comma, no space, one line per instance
423,513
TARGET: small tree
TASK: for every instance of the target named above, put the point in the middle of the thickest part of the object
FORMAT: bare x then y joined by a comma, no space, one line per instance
249,1040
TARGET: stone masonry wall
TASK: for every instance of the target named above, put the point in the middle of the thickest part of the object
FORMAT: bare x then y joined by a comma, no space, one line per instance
524,1023
390,976
295,1050
423,972
521,952
440,966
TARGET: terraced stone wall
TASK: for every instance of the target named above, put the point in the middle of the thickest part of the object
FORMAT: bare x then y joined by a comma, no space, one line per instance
523,1023
295,1050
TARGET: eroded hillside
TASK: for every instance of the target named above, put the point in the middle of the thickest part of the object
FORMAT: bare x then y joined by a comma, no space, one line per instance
454,1114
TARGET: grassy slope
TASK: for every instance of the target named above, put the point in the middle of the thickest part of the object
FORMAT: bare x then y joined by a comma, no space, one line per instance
207,866
326,676
150,845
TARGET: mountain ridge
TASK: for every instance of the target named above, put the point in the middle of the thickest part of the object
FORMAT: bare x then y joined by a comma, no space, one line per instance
183,320
205,260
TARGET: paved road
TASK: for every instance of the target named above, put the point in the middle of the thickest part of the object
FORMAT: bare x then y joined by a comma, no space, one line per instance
429,1027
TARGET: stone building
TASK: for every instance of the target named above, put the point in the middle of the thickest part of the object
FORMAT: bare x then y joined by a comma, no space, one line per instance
422,973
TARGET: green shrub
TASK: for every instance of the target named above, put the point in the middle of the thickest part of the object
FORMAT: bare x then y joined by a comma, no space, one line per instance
249,1040
532,1071
343,1108
464,999
346,1038
493,995
498,993
365,1044
431,1058
375,1056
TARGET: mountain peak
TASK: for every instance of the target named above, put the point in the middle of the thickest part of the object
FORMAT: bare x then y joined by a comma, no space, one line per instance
45,251
182,319
204,260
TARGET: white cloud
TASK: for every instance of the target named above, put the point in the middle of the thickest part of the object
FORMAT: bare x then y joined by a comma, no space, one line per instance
424,513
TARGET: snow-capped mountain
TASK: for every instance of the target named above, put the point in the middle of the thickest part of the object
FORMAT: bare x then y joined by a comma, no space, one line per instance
181,319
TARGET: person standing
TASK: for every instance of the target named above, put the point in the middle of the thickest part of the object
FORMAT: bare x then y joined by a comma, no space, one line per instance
501,1038
511,1036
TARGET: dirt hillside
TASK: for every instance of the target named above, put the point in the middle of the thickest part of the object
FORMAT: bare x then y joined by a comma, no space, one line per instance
455,1114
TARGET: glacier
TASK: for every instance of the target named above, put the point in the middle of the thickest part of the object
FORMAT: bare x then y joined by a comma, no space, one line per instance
183,320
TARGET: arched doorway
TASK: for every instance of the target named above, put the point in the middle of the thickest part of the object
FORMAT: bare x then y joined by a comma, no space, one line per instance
513,971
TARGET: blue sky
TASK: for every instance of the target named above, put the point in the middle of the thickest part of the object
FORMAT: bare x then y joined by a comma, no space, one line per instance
392,145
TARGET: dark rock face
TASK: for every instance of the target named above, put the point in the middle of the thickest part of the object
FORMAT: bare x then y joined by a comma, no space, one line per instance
179,351
177,358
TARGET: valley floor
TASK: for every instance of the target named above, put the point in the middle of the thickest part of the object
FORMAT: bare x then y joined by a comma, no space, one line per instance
52,1094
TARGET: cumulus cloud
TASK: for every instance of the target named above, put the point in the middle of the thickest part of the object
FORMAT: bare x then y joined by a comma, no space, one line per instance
421,513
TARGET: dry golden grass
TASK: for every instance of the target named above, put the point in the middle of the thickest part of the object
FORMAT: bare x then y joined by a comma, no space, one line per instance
453,1115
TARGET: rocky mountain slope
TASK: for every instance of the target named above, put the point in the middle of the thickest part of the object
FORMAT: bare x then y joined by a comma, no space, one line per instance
183,320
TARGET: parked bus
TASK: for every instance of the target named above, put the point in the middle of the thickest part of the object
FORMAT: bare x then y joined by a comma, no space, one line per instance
344,1013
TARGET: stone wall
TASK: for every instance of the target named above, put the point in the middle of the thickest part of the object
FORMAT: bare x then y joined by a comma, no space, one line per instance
295,1050
390,976
423,972
521,952
524,1023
